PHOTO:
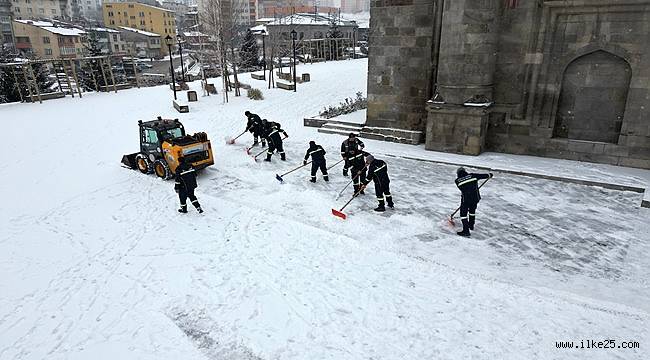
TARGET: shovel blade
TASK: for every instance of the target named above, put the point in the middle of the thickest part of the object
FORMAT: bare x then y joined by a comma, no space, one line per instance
339,214
248,150
279,178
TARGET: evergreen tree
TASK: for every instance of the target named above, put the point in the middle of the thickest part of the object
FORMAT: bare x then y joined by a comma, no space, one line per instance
335,33
8,89
91,69
248,53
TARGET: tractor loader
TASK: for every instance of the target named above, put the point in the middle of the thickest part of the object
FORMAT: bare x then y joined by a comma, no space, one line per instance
162,142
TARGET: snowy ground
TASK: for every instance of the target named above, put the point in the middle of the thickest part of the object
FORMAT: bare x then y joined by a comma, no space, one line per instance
97,264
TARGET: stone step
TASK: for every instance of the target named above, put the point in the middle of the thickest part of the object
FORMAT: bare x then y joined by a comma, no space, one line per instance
342,127
337,131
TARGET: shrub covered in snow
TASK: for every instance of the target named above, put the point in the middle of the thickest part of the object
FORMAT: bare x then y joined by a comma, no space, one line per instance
345,107
255,94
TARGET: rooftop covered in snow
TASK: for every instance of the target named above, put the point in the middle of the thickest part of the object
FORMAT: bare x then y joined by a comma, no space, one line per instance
138,31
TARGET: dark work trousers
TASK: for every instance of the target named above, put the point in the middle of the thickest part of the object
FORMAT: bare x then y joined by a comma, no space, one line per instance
184,194
322,165
382,190
468,214
275,145
358,180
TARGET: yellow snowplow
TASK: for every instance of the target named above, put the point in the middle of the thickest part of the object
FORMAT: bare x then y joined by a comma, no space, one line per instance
162,143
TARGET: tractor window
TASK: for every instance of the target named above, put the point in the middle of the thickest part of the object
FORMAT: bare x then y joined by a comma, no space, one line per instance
150,137
172,133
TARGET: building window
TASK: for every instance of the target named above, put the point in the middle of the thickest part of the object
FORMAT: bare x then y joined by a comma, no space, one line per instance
112,22
29,10
76,40
54,11
117,47
123,47
132,17
165,31
114,37
41,11
17,10
141,14
48,51
110,14
142,22
130,6
46,39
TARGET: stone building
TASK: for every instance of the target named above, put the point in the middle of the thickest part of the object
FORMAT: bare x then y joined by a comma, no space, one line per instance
567,79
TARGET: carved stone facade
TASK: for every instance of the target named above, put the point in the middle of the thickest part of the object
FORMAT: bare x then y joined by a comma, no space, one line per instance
567,79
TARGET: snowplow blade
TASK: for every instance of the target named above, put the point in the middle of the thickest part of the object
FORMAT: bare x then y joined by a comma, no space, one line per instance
339,214
279,178
129,161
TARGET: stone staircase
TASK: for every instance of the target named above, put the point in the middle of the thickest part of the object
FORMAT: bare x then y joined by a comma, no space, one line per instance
340,128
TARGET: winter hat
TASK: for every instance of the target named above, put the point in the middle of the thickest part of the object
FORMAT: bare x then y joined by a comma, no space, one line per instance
369,159
351,135
247,113
461,172
312,143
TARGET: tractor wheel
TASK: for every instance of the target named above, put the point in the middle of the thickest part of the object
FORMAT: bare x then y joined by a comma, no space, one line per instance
143,164
161,169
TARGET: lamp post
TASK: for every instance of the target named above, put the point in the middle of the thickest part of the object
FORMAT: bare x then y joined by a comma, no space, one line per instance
264,49
293,40
169,41
179,41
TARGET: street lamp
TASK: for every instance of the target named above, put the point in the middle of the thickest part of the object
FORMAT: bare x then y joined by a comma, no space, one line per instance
293,40
264,49
179,41
170,41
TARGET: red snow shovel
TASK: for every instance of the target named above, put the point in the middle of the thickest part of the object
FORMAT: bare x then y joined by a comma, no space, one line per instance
450,221
339,213
231,141
279,177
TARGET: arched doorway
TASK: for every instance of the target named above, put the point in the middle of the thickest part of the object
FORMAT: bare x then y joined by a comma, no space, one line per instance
593,97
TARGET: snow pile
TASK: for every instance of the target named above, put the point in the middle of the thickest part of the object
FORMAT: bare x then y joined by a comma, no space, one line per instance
97,264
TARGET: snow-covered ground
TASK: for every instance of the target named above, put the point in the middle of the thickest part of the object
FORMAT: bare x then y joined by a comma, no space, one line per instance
97,264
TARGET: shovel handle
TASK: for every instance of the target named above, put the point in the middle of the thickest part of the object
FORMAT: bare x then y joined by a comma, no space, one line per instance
331,167
292,170
480,186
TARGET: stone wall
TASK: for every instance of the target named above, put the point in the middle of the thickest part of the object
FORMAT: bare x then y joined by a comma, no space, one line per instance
400,62
582,91
567,79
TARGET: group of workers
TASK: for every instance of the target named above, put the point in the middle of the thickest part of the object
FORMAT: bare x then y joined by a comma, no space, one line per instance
360,165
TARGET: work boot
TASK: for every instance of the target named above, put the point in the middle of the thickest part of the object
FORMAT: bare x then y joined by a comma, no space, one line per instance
283,157
183,210
313,179
471,222
389,202
268,157
263,143
326,178
380,208
199,210
465,231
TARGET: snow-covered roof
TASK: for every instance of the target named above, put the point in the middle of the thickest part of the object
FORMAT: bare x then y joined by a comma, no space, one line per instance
311,19
141,32
34,22
48,26
100,29
63,31
258,28
193,34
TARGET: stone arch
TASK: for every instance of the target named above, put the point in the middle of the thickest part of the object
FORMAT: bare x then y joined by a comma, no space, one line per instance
593,96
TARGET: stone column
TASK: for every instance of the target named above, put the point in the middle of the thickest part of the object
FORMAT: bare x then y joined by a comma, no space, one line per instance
468,47
466,65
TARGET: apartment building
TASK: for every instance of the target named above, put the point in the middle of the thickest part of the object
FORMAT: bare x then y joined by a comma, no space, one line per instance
110,41
150,19
6,36
47,40
85,9
39,9
142,43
